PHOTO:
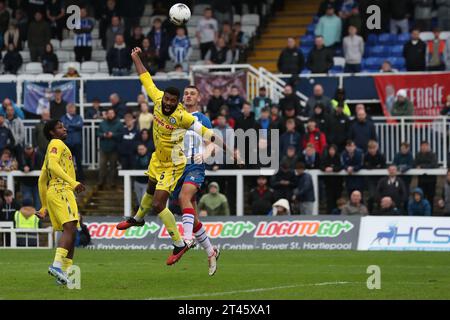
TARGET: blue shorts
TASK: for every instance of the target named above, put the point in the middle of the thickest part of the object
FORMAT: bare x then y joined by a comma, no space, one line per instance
194,176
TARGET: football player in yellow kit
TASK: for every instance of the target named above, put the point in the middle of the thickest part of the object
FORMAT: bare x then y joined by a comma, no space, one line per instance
57,184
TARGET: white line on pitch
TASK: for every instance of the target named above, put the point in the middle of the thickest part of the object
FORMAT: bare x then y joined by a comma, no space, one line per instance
251,290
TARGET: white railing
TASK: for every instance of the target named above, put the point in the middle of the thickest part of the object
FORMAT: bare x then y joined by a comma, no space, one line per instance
8,228
240,174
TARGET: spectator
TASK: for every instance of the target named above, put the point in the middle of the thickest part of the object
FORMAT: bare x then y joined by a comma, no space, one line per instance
400,12
31,161
289,113
290,99
17,110
290,157
261,197
291,59
340,204
352,162
263,127
331,162
235,103
317,97
329,27
220,53
261,101
15,124
22,24
9,206
386,67
146,138
108,11
414,52
290,138
180,49
418,205
339,127
422,14
444,202
362,130
436,49
426,159
141,161
354,19
39,35
6,137
214,103
445,111
280,208
402,105
94,112
353,47
128,142
304,191
355,205
25,218
49,59
326,3
114,29
323,120
283,182
56,16
149,58
320,59
274,118
387,207
74,141
83,38
214,203
72,72
118,58
314,136
404,161
119,107
12,36
160,41
392,187
247,120
373,159
339,99
226,33
58,106
40,140
310,157
145,117
35,6
223,11
207,32
443,14
8,163
239,42
12,61
4,20
109,134
136,38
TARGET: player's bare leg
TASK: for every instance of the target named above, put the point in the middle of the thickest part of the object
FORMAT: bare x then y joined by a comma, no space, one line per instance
192,225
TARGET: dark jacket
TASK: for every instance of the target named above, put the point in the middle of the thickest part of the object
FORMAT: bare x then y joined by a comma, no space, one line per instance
421,208
245,123
362,132
404,162
38,34
57,110
426,160
128,140
310,162
320,60
6,138
235,104
214,105
283,191
141,163
120,108
34,162
312,101
290,139
74,128
12,61
333,162
400,8
355,161
414,55
323,121
290,101
8,210
49,62
261,201
118,58
291,61
164,45
304,192
378,161
109,144
39,138
396,190
339,127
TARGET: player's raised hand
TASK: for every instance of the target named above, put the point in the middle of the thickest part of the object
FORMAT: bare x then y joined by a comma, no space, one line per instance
80,188
135,52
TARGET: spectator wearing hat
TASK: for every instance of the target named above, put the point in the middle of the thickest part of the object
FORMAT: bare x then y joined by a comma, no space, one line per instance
402,105
418,205
214,203
280,208
74,125
304,191
25,218
72,72
339,99
30,161
261,101
314,136
291,59
261,197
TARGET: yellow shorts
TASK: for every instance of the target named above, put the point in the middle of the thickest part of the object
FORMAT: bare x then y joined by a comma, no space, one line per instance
62,207
165,174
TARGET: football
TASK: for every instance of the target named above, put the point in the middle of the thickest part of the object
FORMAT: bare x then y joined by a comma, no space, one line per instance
179,14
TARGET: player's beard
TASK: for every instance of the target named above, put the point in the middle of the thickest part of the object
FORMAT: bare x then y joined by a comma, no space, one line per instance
164,106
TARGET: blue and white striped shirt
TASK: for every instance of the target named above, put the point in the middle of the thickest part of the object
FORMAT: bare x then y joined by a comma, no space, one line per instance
84,39
193,142
179,49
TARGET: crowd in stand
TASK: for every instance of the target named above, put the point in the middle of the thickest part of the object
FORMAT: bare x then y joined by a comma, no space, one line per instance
340,32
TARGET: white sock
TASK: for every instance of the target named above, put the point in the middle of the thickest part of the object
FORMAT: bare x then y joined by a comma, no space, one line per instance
203,239
57,264
179,243
188,225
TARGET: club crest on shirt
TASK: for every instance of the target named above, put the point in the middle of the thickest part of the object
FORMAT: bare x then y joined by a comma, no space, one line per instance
172,120
54,150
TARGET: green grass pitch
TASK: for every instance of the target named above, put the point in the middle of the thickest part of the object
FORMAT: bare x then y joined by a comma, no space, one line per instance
241,275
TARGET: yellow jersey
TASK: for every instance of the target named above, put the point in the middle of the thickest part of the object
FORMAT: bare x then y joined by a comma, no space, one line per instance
58,169
168,131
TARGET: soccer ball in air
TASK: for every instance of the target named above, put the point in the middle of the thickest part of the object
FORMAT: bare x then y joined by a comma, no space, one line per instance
179,14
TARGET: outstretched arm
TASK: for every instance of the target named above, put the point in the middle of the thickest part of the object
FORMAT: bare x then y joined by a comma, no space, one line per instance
153,92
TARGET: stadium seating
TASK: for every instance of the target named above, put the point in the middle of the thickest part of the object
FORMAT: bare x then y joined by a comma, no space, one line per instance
250,20
89,67
33,68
